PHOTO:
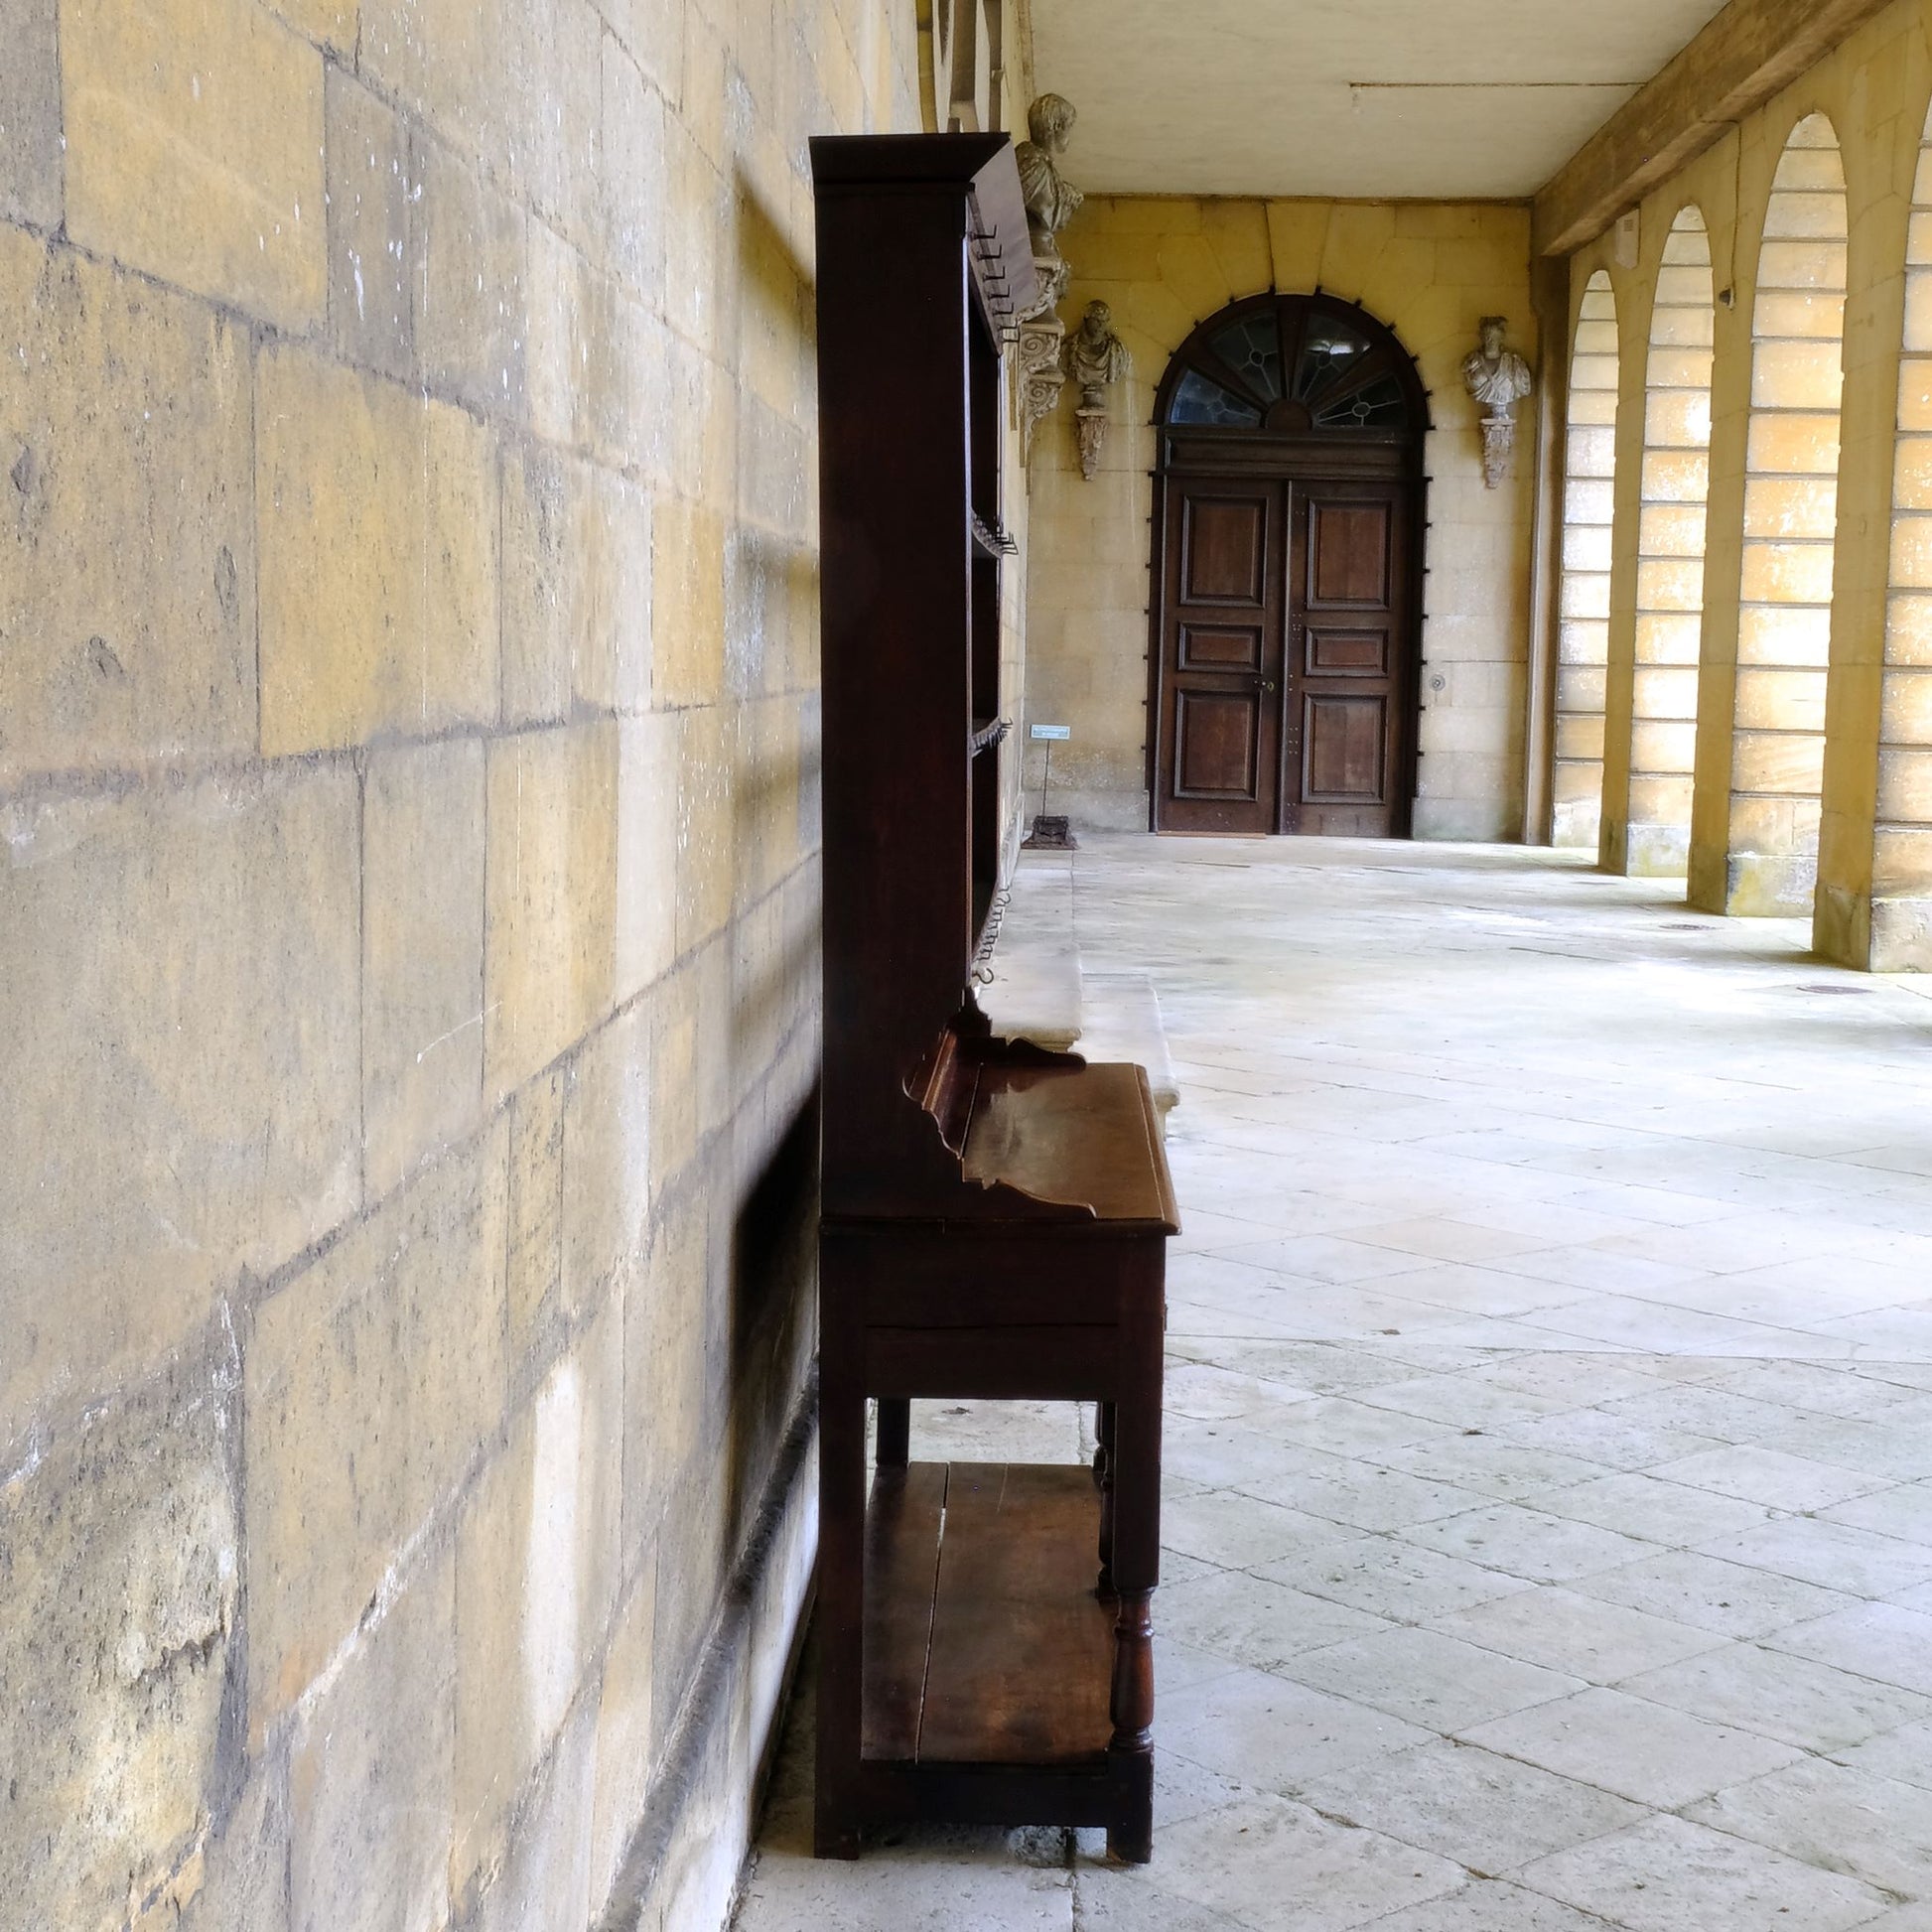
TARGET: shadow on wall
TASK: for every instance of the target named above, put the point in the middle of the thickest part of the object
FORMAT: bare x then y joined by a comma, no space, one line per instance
775,1023
772,604
772,1332
733,1254
771,607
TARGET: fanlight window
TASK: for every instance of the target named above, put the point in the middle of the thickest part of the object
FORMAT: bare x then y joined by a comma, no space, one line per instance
1287,362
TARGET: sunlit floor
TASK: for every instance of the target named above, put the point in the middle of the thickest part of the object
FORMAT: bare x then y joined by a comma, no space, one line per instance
1549,1515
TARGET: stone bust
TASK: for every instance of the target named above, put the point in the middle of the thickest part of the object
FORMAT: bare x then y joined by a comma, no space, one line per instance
1095,355
1051,200
1496,376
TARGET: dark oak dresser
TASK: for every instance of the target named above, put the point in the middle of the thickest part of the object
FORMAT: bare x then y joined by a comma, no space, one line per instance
995,1217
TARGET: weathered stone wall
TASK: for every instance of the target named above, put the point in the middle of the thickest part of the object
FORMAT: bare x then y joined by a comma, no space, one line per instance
407,919
1432,271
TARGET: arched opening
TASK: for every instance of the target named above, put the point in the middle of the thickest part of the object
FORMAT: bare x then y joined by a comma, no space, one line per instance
1287,570
1902,847
1670,556
1588,519
1790,530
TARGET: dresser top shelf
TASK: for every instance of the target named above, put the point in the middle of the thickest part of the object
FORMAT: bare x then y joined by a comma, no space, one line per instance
1082,1135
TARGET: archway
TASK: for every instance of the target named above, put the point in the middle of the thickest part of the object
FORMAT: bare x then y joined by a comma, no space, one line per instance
1287,572
1790,532
1589,523
1670,557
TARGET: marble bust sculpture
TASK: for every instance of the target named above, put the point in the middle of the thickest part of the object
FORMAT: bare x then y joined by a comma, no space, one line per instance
1095,357
1051,200
1498,378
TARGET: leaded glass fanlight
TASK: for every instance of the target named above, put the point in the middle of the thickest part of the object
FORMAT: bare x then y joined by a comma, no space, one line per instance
1296,363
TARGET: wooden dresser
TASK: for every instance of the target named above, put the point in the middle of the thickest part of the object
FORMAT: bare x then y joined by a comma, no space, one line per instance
995,1217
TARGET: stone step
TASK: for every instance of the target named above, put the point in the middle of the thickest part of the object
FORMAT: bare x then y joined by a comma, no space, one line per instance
1121,1014
1034,990
1039,990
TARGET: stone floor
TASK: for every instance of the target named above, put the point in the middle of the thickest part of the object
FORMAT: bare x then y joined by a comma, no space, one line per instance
1549,1424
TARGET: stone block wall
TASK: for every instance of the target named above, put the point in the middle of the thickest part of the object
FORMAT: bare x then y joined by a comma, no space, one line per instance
1432,271
1648,832
1583,600
408,903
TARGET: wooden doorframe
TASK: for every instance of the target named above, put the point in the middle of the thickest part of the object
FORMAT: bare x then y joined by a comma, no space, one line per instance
1297,457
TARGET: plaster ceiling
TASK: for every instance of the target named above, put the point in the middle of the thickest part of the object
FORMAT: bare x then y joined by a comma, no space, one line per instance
1425,99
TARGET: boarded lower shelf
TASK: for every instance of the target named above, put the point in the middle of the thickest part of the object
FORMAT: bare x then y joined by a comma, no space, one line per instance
984,1641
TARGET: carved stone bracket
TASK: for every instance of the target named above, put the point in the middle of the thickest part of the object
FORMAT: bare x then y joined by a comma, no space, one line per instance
1052,274
1498,449
1096,358
1093,439
1042,378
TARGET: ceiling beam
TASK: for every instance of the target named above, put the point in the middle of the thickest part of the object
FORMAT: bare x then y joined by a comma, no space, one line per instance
1753,50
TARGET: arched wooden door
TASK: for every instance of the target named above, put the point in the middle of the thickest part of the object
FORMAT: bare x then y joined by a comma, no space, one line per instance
1287,568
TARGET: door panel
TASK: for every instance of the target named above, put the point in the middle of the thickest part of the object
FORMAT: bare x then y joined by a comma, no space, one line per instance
1222,635
1218,744
1348,554
1344,761
1224,547
1220,647
1348,653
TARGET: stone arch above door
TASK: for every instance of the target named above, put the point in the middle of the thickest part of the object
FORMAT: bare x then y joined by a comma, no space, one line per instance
1295,366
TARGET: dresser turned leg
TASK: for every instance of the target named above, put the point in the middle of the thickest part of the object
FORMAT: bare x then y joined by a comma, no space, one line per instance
1132,1706
1131,1838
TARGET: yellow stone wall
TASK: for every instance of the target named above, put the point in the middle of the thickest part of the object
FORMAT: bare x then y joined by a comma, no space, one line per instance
1432,271
1901,885
1872,901
1647,831
1583,601
408,905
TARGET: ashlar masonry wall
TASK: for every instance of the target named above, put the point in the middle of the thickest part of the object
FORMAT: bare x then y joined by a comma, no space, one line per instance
1432,271
408,989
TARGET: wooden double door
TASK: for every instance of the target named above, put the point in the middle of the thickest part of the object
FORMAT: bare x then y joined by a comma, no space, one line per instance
1286,669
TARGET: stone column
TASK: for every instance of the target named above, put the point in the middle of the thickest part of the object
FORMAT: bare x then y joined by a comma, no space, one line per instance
1873,908
1755,821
